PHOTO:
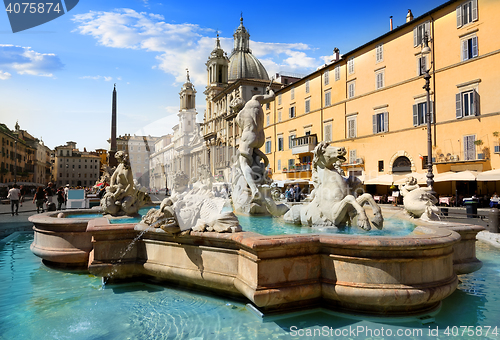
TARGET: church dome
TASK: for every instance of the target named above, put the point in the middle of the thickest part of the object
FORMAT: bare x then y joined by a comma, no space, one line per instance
242,63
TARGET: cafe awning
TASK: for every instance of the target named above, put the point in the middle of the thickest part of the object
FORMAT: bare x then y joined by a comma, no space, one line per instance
387,179
466,175
490,175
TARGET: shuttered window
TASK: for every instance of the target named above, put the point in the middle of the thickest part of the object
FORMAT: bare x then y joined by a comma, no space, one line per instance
467,104
380,122
419,32
466,13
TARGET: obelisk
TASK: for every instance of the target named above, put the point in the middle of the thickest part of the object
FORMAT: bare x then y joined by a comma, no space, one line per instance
111,154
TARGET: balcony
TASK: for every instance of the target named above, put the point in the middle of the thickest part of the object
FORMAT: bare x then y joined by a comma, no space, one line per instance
455,158
304,144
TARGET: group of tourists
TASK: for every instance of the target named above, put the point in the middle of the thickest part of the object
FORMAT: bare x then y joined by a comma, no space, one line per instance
293,193
43,197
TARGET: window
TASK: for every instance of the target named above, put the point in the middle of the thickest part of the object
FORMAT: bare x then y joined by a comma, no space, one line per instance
328,132
379,51
268,105
279,116
328,98
291,112
268,146
326,76
351,127
469,48
419,31
380,166
379,79
281,145
381,122
279,99
308,105
420,113
307,86
268,119
469,147
467,104
291,164
337,72
279,164
352,157
466,13
292,93
421,65
290,142
351,87
350,65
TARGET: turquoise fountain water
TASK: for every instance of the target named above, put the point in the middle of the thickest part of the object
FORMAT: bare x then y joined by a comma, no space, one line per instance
37,302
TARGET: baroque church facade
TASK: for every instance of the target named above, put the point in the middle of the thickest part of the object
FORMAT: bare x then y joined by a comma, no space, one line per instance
231,82
183,151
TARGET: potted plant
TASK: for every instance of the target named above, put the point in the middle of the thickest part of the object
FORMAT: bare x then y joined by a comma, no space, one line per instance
478,143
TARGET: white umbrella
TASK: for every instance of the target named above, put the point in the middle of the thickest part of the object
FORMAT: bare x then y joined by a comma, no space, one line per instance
421,178
387,179
466,175
490,175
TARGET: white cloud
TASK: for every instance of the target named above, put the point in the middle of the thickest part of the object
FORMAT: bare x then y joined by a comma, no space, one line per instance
181,46
97,78
24,60
4,75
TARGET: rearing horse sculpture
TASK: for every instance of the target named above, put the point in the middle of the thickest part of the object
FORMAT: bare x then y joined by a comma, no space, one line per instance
332,202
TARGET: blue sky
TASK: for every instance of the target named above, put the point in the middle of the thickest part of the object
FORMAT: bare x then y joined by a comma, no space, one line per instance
56,79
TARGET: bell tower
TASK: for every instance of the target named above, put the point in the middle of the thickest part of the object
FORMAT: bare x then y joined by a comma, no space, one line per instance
187,112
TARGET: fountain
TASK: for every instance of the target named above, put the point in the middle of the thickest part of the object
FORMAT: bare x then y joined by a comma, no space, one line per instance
193,241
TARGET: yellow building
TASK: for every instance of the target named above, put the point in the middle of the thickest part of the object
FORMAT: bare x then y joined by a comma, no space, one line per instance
371,101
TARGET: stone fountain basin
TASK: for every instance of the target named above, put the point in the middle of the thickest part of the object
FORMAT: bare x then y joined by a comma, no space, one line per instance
405,275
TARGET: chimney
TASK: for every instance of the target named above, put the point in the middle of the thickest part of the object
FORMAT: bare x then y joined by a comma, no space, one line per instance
336,54
409,16
390,20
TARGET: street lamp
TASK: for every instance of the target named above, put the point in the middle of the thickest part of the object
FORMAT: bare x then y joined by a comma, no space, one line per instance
425,51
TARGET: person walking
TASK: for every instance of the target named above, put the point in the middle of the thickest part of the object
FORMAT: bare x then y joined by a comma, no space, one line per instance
13,196
23,193
60,197
289,193
39,199
49,193
296,193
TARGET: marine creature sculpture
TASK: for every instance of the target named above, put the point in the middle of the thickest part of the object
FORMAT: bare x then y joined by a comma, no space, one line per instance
332,204
196,209
418,201
122,197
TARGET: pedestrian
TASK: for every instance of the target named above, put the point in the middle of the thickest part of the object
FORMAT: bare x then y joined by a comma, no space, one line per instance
66,190
60,197
39,199
296,193
23,192
49,193
13,195
289,193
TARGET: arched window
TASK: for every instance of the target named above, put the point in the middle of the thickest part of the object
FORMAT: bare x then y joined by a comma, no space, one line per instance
401,164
